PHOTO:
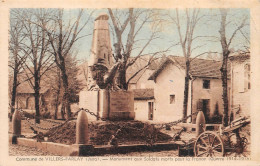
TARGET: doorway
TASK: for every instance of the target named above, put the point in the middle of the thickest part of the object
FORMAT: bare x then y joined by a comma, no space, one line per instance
150,110
204,106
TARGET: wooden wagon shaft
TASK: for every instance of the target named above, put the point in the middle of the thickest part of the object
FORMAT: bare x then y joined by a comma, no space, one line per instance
239,120
237,124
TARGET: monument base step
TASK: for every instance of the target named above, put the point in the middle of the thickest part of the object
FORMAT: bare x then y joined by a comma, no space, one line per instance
122,115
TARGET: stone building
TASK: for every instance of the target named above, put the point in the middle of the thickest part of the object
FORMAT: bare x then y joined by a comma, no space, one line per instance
205,89
25,96
240,84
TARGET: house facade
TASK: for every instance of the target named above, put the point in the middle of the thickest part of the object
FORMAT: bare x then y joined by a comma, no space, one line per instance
144,104
205,89
142,87
240,84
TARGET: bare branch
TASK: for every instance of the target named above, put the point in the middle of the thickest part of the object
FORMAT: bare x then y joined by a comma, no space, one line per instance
137,73
199,46
197,37
48,68
238,28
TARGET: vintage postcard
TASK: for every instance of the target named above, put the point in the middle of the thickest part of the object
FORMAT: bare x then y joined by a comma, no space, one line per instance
142,82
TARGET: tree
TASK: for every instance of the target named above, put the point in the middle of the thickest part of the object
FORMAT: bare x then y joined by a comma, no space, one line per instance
186,39
16,59
62,35
131,23
40,59
54,82
225,44
35,46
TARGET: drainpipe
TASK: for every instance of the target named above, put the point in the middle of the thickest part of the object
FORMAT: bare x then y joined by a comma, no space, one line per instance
231,92
232,86
98,104
192,79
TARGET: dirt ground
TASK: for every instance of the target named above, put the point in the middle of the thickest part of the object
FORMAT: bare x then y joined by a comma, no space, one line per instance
100,133
18,150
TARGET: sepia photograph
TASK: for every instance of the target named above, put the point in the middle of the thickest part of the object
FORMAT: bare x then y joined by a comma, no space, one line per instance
129,83
122,80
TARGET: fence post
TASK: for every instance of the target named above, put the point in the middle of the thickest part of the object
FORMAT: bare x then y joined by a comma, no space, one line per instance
200,123
81,147
16,123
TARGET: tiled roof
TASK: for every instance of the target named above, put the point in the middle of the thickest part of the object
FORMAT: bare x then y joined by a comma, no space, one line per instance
239,56
25,87
139,64
143,94
198,67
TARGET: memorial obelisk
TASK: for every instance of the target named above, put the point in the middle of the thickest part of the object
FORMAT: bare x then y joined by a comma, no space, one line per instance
101,52
100,97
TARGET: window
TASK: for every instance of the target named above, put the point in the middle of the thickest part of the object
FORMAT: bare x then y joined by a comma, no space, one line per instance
247,76
206,84
172,99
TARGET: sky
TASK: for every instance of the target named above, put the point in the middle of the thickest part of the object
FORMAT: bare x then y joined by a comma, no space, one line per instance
208,26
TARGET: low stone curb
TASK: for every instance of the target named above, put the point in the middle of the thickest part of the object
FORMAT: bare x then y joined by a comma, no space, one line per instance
55,148
90,150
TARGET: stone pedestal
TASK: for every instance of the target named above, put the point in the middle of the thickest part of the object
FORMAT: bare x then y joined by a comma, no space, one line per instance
121,105
112,105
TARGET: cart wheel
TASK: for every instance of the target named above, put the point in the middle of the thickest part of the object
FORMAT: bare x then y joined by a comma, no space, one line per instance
209,144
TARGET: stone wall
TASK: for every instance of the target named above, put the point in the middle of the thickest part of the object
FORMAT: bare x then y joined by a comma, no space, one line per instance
25,101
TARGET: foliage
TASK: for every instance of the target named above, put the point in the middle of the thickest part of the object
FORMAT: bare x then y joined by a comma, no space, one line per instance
216,117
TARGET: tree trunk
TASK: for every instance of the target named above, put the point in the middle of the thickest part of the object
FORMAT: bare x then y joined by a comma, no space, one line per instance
13,93
62,110
223,69
56,108
225,87
56,105
66,95
57,97
122,77
36,98
186,91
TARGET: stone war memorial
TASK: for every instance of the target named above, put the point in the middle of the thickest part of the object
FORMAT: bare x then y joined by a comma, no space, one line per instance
100,97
